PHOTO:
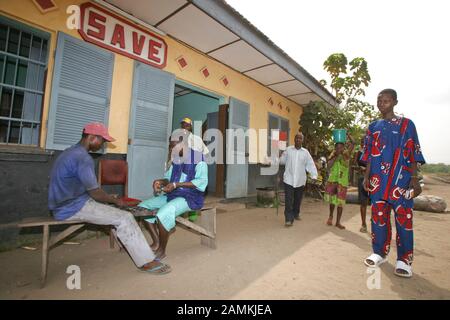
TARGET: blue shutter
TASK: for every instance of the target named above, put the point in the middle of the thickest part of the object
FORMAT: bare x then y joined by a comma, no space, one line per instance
150,128
81,90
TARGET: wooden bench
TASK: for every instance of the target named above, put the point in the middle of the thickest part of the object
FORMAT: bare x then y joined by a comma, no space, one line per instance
206,229
47,241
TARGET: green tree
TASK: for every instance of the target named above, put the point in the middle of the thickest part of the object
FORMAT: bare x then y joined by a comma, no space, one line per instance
348,83
436,168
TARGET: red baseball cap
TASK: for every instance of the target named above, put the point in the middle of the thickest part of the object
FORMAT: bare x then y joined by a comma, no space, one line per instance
98,129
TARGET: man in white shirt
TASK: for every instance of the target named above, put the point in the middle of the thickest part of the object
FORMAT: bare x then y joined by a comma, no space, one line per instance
194,142
298,162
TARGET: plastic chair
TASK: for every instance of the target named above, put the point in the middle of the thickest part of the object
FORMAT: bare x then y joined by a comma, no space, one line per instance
115,172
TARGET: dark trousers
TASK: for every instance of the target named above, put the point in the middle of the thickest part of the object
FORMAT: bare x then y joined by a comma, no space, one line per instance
293,200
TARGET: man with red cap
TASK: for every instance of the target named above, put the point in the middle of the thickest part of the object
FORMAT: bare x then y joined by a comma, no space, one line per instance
74,194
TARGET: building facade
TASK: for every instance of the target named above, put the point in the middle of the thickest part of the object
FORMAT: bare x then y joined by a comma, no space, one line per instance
139,68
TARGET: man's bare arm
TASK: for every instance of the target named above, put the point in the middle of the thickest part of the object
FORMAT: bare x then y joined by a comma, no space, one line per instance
101,196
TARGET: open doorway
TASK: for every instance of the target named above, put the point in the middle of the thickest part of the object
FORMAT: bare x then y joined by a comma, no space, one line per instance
203,108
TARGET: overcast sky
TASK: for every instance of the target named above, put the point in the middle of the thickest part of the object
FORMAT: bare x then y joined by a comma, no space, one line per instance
406,45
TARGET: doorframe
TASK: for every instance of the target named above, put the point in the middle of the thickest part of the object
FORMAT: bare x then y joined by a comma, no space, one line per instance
222,111
222,99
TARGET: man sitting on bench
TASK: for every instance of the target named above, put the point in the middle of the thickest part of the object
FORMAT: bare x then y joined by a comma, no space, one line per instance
181,190
74,194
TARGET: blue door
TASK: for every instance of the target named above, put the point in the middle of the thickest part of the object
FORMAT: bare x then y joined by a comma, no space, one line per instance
150,128
237,173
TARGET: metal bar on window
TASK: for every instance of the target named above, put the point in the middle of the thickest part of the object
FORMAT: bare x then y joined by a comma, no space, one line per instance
7,131
10,114
19,43
18,55
7,39
17,119
12,99
4,64
40,50
34,104
4,71
37,78
32,133
23,58
21,115
20,132
1,78
21,88
38,128
14,89
31,46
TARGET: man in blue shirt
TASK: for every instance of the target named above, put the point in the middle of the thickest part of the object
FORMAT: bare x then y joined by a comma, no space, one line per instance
74,194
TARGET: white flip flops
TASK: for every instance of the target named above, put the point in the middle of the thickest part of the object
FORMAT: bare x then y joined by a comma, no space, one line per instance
376,259
400,265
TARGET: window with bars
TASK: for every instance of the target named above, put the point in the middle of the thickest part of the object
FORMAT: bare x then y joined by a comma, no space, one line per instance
276,123
23,63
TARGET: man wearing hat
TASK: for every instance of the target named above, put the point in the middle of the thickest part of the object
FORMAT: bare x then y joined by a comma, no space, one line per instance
74,194
194,142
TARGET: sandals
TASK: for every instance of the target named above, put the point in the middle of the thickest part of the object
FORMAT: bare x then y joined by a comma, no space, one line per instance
161,268
363,229
401,268
407,269
376,259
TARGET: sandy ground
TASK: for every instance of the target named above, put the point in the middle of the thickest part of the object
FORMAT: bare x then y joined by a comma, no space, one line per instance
257,258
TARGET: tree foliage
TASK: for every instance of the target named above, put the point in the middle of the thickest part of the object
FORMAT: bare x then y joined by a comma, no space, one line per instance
435,168
348,83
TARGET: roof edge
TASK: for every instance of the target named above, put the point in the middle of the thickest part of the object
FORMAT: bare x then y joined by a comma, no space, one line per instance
226,15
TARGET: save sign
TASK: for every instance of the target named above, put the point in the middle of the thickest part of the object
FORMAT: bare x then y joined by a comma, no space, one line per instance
114,33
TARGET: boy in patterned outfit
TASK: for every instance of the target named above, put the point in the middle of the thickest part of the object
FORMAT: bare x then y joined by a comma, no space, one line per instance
392,152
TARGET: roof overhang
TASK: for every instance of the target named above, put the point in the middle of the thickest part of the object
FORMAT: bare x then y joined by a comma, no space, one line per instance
220,32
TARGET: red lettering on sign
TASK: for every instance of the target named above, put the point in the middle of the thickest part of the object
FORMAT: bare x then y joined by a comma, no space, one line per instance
118,36
138,44
93,17
153,50
111,32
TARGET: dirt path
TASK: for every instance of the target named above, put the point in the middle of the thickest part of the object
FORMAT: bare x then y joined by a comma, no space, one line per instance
257,258
437,188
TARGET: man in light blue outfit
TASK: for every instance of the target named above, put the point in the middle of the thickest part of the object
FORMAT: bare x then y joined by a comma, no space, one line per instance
181,190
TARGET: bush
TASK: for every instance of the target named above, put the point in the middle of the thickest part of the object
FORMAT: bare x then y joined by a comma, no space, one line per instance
436,168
